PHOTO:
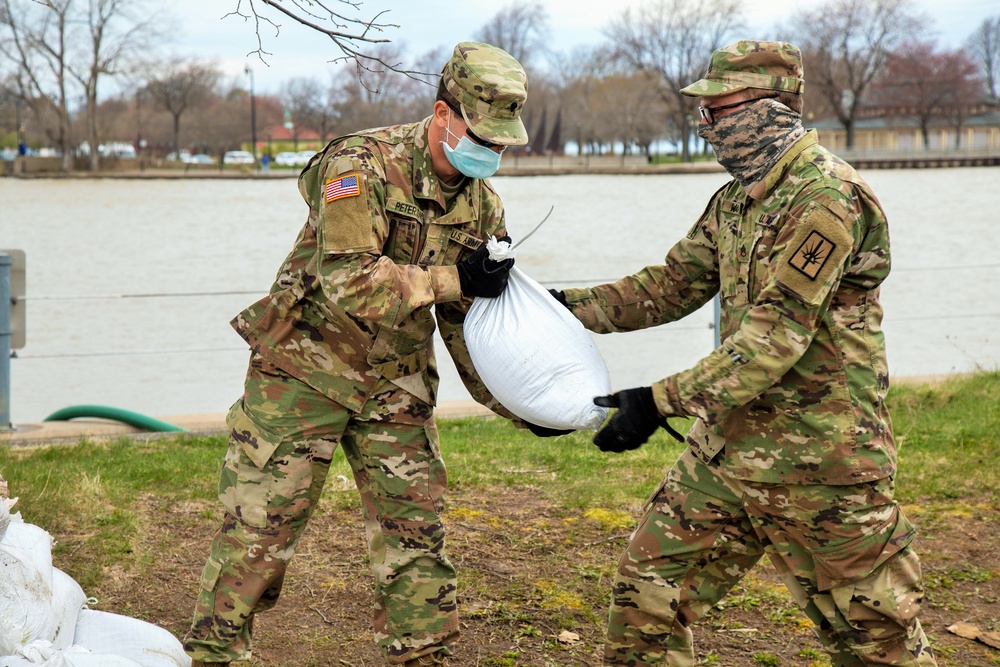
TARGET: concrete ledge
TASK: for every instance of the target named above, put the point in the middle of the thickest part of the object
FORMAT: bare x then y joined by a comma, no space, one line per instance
65,432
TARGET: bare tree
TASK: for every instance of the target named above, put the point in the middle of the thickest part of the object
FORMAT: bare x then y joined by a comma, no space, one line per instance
179,86
578,76
674,39
920,81
850,41
310,105
35,40
416,93
10,111
640,118
984,45
222,122
521,29
114,31
377,98
56,43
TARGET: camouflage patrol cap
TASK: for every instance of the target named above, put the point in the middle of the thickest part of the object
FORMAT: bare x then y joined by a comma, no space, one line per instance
750,64
490,87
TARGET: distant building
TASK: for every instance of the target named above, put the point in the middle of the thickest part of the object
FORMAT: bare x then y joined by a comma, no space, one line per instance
899,132
280,133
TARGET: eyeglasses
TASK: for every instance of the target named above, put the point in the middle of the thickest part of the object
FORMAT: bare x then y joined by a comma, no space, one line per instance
707,113
483,142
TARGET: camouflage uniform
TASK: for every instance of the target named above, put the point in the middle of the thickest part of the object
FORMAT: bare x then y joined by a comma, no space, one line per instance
792,452
342,355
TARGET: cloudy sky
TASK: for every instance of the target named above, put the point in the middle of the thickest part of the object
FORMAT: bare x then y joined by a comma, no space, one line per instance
201,30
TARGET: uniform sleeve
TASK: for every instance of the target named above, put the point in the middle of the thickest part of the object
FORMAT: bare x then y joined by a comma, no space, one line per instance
346,191
688,278
806,263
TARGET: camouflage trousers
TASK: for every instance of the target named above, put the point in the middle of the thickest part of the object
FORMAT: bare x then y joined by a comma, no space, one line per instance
842,551
282,437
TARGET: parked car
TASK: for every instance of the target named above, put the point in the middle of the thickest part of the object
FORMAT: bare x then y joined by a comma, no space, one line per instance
287,159
201,158
118,149
305,156
238,157
183,156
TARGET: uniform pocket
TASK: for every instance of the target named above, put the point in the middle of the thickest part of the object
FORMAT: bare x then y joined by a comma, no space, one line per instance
246,484
401,246
651,499
256,441
852,561
210,575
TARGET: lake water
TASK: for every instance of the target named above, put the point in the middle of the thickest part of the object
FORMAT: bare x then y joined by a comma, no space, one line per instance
131,283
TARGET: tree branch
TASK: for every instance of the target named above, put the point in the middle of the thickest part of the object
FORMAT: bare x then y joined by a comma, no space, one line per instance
349,34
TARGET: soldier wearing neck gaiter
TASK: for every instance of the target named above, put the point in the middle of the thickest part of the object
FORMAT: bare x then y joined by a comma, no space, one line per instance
791,453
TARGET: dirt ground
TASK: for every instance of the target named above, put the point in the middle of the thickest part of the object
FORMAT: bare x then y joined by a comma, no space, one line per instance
533,587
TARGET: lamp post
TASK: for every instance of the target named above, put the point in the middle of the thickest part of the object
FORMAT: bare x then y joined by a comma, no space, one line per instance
253,115
139,141
266,160
20,130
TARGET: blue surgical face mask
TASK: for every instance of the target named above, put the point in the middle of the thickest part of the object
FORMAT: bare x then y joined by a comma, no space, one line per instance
472,159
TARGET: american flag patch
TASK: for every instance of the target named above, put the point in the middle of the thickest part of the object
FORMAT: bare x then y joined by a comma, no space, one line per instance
342,187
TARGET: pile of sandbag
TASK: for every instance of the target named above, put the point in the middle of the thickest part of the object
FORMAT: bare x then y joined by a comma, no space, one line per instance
44,619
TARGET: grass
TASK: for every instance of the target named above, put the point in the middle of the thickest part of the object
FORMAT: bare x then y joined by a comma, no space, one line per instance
948,440
948,437
100,500
675,158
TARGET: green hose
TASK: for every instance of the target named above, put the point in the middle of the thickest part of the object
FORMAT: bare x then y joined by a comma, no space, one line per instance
117,414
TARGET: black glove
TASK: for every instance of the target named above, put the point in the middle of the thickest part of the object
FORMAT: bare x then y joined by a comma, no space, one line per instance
560,296
637,419
481,276
545,431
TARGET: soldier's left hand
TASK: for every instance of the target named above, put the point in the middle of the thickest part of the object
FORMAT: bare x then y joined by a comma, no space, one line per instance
635,421
481,276
560,296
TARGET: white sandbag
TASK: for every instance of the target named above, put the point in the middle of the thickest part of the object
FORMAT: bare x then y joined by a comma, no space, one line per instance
38,653
25,584
43,654
75,659
5,514
68,599
142,642
534,356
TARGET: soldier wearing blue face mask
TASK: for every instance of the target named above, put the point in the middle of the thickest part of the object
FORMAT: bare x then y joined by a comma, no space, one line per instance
342,356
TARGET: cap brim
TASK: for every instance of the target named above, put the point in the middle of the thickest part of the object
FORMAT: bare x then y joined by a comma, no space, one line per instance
502,132
709,88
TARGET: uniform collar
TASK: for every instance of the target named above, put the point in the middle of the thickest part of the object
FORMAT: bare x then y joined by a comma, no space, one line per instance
425,182
763,189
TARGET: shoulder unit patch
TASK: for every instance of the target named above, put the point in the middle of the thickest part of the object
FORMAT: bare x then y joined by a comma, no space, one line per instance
815,253
812,254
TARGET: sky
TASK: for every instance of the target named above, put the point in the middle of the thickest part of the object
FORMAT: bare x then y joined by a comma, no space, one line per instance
202,32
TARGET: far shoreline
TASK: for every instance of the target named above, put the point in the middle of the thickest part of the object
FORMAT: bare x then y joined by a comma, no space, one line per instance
701,167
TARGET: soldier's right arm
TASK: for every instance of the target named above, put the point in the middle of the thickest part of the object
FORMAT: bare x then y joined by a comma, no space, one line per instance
688,279
347,192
